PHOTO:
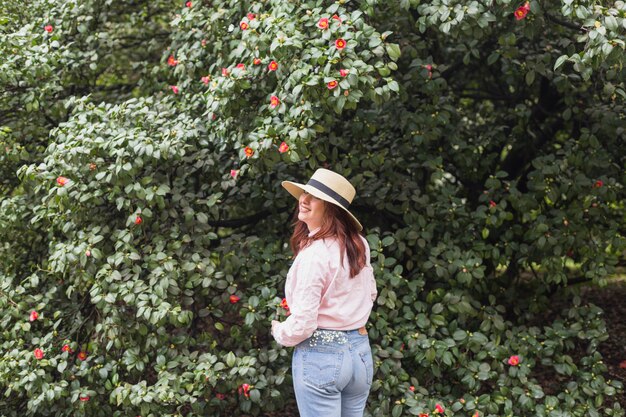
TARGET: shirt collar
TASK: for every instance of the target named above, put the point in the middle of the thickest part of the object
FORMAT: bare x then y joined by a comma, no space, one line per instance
314,231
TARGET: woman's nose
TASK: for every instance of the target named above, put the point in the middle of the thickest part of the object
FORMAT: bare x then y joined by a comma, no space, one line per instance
305,198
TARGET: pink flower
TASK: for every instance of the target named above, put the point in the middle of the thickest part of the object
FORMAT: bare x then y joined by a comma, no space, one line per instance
622,364
82,355
283,147
220,396
251,16
138,220
34,315
234,173
492,204
514,360
241,67
62,181
48,28
225,72
283,303
274,102
332,85
234,299
598,184
85,398
171,61
340,43
243,25
67,348
344,72
249,152
323,23
337,18
39,354
273,66
206,79
245,390
438,409
88,253
412,388
522,11
174,89
256,61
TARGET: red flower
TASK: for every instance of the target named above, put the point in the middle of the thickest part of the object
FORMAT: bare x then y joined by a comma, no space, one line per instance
514,360
67,348
234,173
476,414
62,181
233,298
622,364
344,72
340,43
34,315
203,43
220,396
171,61
332,84
241,67
251,16
522,11
438,409
225,72
412,388
243,26
323,23
273,66
598,184
430,70
337,18
245,390
283,147
248,151
206,79
174,89
82,355
48,28
283,303
423,415
138,220
39,354
274,102
85,398
256,61
492,204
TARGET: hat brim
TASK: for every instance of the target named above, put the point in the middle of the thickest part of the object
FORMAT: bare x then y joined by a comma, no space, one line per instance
296,190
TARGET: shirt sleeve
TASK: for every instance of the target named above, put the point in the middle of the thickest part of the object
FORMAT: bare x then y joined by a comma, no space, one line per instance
372,279
310,277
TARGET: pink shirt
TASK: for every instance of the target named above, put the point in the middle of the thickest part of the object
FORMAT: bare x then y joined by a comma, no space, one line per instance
321,294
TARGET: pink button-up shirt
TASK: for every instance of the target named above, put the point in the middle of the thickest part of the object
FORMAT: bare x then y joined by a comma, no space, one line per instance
321,294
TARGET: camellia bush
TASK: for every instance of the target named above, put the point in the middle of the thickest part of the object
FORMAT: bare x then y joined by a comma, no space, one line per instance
143,229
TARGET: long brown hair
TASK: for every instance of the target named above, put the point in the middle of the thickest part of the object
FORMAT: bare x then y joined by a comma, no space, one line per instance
336,224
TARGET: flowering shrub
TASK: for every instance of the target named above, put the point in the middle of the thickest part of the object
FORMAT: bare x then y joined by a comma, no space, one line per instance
144,232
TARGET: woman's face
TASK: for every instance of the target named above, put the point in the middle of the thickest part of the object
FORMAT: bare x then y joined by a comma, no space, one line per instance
311,210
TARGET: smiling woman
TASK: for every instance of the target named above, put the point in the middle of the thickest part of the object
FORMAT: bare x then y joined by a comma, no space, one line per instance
330,291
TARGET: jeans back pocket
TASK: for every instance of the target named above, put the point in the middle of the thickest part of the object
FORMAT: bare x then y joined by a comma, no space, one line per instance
321,366
368,361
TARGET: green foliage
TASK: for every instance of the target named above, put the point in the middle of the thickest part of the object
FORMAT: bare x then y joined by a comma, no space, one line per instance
488,155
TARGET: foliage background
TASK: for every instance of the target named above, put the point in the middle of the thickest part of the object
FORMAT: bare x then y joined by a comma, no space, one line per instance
488,154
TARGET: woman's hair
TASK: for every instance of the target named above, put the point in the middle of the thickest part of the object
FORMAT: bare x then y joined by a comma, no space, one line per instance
338,224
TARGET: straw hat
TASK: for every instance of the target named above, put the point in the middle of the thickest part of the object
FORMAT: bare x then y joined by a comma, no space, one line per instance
328,186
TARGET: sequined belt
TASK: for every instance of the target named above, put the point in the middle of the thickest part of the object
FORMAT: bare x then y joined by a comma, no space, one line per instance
330,336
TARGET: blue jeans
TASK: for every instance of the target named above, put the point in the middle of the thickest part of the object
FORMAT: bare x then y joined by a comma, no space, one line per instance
332,374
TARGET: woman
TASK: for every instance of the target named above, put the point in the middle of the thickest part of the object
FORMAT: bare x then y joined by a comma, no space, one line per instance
330,291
